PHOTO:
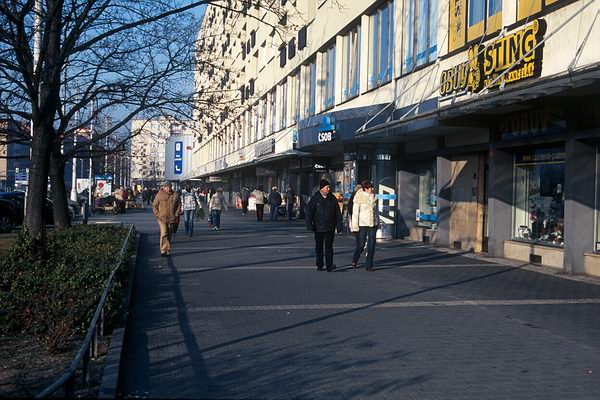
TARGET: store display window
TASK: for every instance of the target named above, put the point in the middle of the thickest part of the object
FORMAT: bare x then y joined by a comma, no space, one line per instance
427,211
539,202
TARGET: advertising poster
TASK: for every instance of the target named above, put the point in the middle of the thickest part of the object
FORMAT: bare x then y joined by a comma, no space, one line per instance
103,185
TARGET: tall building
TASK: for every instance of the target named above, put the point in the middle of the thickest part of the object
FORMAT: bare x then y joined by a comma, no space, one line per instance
148,148
477,120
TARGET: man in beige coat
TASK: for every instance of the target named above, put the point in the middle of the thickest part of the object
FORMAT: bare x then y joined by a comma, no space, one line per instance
166,208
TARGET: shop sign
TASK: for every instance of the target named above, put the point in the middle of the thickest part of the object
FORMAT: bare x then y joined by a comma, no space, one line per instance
265,147
531,123
214,179
178,158
543,156
484,66
262,171
320,168
326,130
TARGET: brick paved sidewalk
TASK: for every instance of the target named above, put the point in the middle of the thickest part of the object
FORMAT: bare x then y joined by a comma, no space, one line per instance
243,313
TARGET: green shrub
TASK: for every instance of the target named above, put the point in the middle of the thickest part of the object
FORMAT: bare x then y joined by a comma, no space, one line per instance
56,298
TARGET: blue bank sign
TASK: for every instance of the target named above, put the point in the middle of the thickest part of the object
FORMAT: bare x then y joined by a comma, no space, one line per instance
178,158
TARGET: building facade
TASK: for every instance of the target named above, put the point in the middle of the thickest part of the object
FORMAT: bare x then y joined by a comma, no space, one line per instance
477,120
148,148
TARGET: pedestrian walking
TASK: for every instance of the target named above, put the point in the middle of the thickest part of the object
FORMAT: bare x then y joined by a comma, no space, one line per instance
166,207
274,203
290,202
245,195
324,218
189,202
215,206
365,222
260,198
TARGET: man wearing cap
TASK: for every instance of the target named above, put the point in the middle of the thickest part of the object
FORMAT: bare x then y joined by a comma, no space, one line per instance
324,218
166,207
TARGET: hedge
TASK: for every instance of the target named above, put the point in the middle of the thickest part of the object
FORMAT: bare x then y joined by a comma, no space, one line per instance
55,298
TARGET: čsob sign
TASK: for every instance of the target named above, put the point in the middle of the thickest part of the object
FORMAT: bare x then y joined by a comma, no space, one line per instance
326,130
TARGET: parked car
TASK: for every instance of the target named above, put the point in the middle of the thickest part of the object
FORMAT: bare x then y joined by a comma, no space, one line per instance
7,216
18,199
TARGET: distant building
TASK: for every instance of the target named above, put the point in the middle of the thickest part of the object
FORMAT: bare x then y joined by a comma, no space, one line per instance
14,154
148,148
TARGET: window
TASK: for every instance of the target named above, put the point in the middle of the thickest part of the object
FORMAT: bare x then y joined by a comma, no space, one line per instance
420,34
471,19
263,118
283,105
351,63
309,81
302,38
381,45
327,81
295,95
427,212
539,202
282,56
273,109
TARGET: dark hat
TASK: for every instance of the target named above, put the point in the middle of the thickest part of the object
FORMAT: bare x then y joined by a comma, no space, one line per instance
323,183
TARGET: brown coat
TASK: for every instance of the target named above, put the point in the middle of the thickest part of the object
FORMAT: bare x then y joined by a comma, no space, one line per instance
166,206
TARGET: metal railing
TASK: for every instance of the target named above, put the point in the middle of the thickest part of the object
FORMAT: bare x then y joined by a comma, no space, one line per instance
89,348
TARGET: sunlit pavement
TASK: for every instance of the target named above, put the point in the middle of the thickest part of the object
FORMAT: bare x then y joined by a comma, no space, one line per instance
243,313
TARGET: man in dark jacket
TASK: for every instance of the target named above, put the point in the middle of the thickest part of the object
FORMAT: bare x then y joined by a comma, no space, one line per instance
324,218
274,203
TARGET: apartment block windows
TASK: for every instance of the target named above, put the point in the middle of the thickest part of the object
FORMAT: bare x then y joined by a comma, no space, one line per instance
327,81
273,109
472,19
283,104
381,45
263,117
351,63
295,95
309,83
420,33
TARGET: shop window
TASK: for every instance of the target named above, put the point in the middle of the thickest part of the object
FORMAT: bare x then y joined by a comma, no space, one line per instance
420,33
539,196
381,45
351,63
427,212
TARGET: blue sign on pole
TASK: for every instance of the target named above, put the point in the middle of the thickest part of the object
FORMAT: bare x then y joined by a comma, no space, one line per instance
178,158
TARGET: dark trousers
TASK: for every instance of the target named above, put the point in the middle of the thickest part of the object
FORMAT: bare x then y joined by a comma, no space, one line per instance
260,211
327,239
290,211
361,238
216,218
273,212
244,207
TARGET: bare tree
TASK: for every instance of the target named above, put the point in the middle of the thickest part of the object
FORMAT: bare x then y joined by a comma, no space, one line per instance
125,58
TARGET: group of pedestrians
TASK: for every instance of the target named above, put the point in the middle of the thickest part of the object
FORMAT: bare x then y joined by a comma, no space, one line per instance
324,218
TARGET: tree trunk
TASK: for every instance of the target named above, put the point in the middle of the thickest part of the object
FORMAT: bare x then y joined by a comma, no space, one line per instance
59,190
38,188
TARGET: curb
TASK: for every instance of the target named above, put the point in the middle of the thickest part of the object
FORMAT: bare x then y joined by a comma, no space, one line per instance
110,376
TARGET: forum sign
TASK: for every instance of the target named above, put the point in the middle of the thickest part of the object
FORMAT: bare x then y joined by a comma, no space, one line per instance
484,67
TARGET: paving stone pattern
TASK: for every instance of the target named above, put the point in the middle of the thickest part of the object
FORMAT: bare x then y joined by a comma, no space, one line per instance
242,313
